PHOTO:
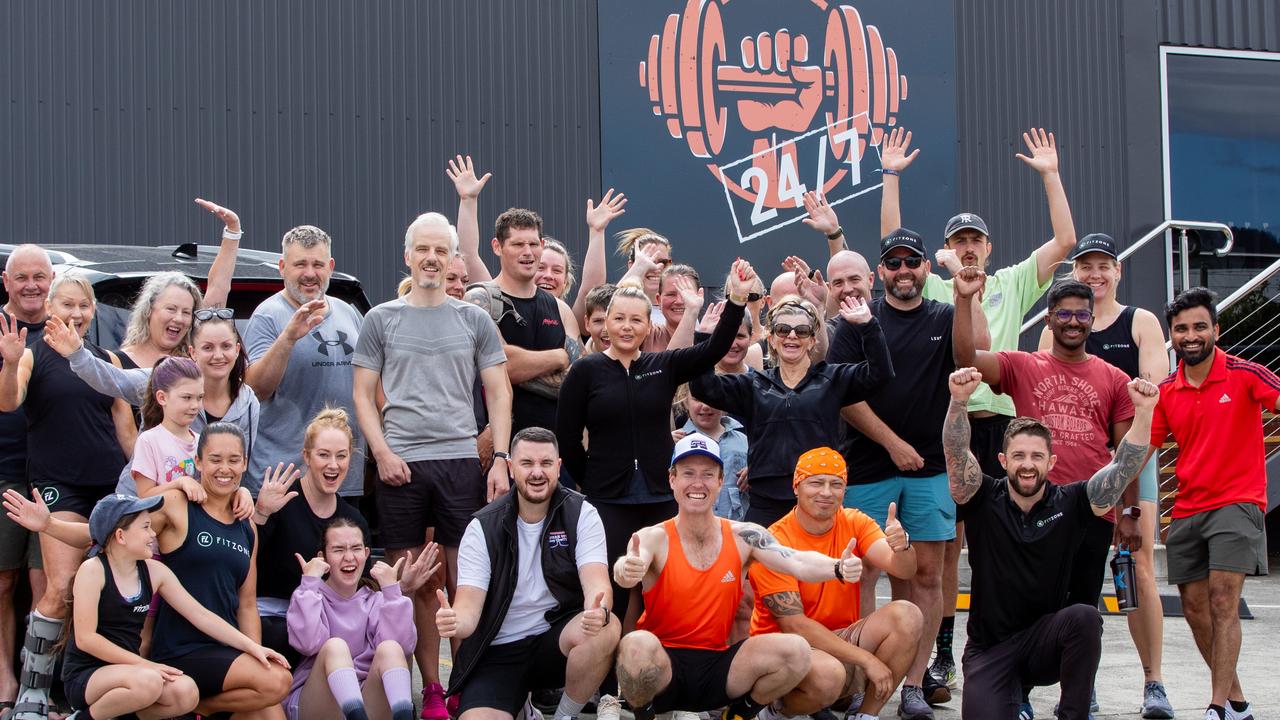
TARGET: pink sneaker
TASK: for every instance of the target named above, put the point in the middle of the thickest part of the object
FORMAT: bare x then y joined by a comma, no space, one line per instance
433,707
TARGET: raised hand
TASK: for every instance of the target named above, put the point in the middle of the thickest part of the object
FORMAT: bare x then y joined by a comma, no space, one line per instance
228,216
947,258
893,151
386,575
315,567
813,288
274,493
822,217
418,571
969,281
13,340
595,617
711,318
31,514
963,382
463,174
855,310
60,337
446,618
741,279
305,319
1043,149
599,216
894,533
850,563
645,262
631,568
1143,393
690,294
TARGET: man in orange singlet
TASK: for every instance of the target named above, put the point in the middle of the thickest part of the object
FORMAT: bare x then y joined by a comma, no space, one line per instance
690,569
865,657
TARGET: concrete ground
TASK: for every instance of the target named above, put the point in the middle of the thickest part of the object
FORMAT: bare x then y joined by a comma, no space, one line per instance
1120,680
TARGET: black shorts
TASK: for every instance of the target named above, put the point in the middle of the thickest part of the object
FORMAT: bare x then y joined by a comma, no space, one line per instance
986,442
75,684
207,666
19,547
767,511
78,499
698,679
441,494
505,674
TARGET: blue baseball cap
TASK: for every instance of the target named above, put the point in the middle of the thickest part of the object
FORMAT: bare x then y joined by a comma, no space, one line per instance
107,513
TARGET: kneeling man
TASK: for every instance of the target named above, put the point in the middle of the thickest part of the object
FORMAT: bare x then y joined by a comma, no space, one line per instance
690,570
532,607
868,656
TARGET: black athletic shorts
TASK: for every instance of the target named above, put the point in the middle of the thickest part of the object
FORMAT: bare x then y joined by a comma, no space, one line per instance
698,679
78,499
208,667
505,674
441,494
75,685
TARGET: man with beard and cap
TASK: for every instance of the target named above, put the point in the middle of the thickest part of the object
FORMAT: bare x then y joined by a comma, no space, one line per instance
300,342
896,455
1213,408
533,599
1023,532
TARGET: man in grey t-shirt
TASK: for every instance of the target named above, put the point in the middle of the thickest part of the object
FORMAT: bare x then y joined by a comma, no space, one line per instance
426,349
300,342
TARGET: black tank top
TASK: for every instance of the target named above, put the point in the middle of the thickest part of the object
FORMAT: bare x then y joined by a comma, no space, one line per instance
539,329
71,438
120,620
1116,344
212,564
13,425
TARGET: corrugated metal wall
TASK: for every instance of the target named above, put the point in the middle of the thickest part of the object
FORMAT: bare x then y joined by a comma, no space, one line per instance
1233,24
339,113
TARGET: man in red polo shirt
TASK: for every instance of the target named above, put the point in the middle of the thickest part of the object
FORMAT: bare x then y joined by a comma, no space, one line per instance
1212,405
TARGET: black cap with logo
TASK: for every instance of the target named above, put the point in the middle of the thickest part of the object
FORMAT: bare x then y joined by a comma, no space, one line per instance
1094,242
965,221
902,237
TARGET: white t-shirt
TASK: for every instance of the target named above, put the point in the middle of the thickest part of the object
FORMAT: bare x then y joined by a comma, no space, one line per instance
527,613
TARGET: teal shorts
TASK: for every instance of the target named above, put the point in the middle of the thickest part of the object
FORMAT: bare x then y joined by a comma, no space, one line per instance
925,507
1149,480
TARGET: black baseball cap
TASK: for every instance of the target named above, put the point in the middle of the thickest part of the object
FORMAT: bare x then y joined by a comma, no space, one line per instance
1094,242
902,237
965,221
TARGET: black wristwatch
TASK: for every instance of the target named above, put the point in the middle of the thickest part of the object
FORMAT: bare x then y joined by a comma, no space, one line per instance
1132,511
500,454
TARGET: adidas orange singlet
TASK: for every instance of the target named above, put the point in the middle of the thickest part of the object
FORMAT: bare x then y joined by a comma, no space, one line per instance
692,608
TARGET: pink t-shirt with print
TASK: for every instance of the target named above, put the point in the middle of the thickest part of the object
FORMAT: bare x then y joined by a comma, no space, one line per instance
161,456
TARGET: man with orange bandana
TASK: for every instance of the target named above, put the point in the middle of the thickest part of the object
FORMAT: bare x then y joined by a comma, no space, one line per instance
690,569
860,656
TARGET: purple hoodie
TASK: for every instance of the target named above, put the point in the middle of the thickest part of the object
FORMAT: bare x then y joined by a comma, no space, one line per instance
364,620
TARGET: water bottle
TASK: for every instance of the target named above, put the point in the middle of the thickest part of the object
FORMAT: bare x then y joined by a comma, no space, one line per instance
1122,574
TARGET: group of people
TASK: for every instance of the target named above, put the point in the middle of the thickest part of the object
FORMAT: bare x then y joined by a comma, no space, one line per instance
614,496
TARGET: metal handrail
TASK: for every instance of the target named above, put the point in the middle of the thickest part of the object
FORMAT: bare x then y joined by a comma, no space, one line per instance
1254,283
1183,246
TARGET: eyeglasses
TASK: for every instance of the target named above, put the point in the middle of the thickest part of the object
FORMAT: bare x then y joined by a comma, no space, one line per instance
1081,316
894,263
207,314
801,331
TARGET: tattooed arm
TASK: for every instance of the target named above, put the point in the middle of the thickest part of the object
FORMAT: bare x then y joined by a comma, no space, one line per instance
788,610
963,472
1106,485
756,543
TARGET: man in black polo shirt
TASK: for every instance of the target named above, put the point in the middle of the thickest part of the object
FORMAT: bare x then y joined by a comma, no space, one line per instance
1023,535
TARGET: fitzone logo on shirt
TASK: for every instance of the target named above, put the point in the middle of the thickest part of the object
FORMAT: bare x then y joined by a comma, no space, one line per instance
327,347
207,539
1045,521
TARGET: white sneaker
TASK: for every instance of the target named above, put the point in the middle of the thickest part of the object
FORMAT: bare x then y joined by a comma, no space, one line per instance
1247,714
685,715
608,708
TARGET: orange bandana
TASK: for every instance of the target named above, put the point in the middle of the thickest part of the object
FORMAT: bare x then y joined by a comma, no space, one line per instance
820,461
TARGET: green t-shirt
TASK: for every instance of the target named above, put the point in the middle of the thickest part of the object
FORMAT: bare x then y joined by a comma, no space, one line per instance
1010,294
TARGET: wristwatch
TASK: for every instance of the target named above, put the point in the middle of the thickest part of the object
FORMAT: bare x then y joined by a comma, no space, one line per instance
1132,511
500,454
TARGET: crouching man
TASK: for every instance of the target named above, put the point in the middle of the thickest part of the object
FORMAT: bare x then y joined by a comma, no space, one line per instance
532,607
690,570
865,657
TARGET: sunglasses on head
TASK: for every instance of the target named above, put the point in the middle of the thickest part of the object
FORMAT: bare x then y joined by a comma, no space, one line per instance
801,331
1081,316
893,263
207,314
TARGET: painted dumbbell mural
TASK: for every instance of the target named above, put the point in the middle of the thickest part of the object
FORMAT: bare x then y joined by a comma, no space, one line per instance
750,107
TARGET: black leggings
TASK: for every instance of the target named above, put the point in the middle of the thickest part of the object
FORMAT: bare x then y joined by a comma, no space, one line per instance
1090,564
1060,648
620,521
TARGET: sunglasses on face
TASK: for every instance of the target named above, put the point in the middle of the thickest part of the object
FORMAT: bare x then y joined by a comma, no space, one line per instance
207,314
894,263
1081,316
801,331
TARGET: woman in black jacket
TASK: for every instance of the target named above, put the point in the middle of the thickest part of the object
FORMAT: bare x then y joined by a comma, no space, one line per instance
795,407
622,398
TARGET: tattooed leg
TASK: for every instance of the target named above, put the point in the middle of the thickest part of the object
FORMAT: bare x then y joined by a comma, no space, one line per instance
644,670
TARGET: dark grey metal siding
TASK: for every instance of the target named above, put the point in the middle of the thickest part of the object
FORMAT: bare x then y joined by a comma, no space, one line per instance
339,113
1230,24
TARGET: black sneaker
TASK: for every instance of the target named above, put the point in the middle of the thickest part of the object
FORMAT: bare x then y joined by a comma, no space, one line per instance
935,693
546,700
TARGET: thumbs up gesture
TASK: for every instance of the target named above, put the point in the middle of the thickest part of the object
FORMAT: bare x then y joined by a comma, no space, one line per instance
894,533
595,617
630,569
849,567
446,618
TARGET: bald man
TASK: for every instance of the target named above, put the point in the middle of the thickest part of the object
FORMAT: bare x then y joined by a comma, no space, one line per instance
27,276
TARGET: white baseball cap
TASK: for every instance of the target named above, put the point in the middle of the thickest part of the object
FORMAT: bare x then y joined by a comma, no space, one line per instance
696,444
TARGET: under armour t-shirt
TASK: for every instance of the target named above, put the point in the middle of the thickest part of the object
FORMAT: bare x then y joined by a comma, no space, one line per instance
319,374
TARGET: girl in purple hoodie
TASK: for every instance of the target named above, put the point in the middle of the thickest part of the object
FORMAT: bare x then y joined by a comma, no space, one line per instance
356,638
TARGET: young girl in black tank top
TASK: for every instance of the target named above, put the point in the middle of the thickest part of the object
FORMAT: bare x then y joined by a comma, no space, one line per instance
103,674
